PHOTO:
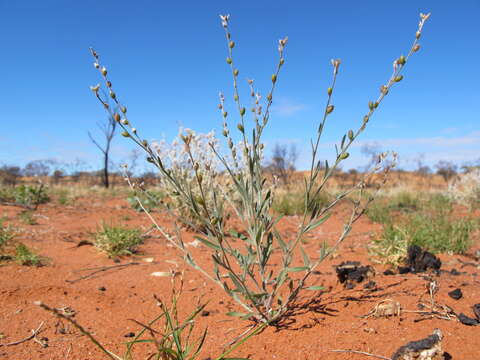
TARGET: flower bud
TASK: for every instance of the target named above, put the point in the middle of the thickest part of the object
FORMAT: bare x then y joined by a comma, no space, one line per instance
231,44
229,60
123,109
235,97
329,91
150,160
282,61
366,118
242,111
235,72
274,78
344,155
145,143
225,133
96,65
196,166
125,122
116,117
95,88
269,97
109,83
225,114
401,60
416,48
350,134
125,134
241,128
371,106
398,78
418,34
330,108
200,178
384,89
113,95
134,131
104,71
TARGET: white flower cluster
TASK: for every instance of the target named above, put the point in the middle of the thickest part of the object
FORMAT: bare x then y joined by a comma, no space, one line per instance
466,188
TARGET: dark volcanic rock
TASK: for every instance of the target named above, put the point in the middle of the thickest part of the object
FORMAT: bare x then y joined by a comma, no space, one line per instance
413,349
466,320
351,272
456,294
420,260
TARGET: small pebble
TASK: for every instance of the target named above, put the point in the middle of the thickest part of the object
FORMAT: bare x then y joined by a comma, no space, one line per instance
129,335
455,294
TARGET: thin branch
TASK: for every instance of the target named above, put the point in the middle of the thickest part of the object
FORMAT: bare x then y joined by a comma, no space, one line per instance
34,334
362,353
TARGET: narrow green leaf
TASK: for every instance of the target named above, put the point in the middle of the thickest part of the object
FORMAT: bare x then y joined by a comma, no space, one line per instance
208,243
297,269
315,288
237,314
314,225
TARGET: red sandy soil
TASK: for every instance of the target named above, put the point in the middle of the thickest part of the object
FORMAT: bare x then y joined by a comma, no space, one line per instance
327,320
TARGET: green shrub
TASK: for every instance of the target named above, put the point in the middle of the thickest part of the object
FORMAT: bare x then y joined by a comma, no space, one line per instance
116,240
436,232
149,199
6,235
25,256
291,203
28,195
27,217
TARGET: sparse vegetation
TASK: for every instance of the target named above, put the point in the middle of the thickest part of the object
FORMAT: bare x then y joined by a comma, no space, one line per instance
27,217
265,293
29,196
26,256
116,240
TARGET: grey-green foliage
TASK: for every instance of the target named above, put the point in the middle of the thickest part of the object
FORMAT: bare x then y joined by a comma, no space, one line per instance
116,240
242,263
28,195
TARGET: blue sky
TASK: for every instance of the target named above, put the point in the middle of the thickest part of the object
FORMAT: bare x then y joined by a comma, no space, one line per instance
167,63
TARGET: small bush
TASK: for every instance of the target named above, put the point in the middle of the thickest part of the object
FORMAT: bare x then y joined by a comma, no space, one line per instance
6,235
149,199
294,203
30,196
436,232
25,256
116,240
27,218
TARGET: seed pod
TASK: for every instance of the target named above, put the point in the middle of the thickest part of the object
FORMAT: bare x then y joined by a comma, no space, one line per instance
235,97
241,128
145,143
350,134
104,71
401,60
225,114
330,108
123,109
196,166
418,34
375,105
269,97
125,134
225,133
134,131
200,178
231,44
116,117
235,72
113,95
242,111
150,160
370,105
384,89
229,60
329,91
416,48
282,61
398,78
366,118
274,78
344,155
109,83
96,65
125,122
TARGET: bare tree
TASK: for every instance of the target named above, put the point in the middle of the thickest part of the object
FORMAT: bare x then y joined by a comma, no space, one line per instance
108,131
371,151
446,169
37,168
282,164
9,174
